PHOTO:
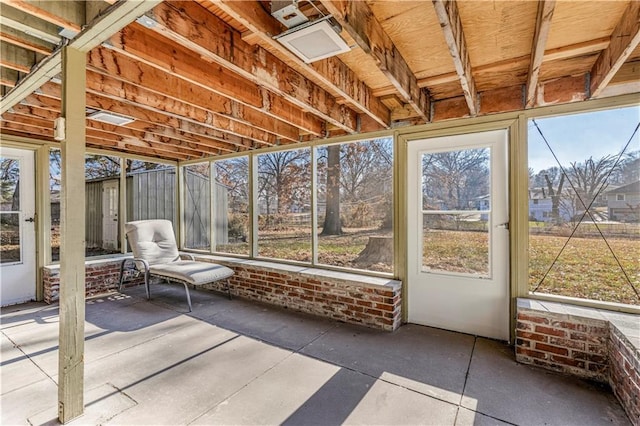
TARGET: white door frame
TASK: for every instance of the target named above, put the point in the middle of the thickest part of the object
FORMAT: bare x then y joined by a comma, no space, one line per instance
480,307
19,278
110,213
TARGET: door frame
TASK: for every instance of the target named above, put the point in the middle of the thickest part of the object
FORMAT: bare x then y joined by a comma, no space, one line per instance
516,144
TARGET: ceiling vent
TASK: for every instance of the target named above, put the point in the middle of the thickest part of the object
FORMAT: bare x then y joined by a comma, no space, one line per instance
314,40
111,118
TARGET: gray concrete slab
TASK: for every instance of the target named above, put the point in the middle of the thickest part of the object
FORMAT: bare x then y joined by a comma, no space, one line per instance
242,363
291,330
501,388
101,404
467,417
427,360
17,369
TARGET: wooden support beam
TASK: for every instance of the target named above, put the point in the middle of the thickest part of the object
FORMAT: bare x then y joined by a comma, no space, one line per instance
169,123
116,17
8,77
449,17
17,58
543,27
191,26
26,23
217,110
358,20
14,37
184,64
624,40
72,282
66,14
331,74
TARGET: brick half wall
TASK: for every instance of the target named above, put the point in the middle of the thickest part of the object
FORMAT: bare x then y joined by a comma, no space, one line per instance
589,343
356,299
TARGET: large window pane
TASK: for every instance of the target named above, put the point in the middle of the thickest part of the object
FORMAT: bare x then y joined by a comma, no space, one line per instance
231,208
584,206
355,205
197,205
284,205
55,178
151,191
10,206
102,184
456,206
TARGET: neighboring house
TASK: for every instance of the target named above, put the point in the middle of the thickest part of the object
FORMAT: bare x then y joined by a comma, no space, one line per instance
623,203
541,205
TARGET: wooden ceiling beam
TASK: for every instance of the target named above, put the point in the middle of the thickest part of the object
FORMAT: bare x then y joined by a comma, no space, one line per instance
22,40
26,23
9,77
213,107
543,27
65,14
52,101
164,55
193,27
449,17
330,73
117,16
358,20
624,39
101,137
17,58
151,132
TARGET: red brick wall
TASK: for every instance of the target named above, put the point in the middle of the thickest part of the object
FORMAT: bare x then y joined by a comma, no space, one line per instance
586,347
563,343
625,374
100,277
345,300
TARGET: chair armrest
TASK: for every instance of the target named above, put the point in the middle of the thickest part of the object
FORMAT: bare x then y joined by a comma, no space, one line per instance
122,266
188,256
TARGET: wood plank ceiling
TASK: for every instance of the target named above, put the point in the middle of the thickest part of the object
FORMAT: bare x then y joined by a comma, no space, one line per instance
204,78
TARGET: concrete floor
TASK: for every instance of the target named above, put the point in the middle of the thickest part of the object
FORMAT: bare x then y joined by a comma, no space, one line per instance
237,362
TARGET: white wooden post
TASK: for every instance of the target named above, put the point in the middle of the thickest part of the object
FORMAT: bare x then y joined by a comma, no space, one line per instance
72,238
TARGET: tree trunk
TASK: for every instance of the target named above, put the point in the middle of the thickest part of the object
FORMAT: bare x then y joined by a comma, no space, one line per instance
378,250
332,225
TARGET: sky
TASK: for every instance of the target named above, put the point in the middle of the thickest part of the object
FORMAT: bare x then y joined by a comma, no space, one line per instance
580,136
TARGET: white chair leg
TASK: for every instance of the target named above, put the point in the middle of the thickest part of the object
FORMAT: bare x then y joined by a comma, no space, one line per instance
186,289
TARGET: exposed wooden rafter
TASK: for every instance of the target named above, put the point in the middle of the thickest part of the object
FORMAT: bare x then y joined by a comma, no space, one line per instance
330,73
195,28
65,14
624,39
135,39
116,17
358,19
449,17
543,27
25,43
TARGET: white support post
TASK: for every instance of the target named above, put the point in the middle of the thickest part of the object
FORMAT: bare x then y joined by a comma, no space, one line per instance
72,270
254,209
122,205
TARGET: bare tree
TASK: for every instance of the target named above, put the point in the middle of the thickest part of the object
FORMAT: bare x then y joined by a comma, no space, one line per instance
589,178
279,176
332,224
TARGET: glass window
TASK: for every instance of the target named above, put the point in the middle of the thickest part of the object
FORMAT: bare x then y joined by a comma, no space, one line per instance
584,234
231,206
55,179
151,191
284,205
355,205
197,206
455,207
102,184
10,251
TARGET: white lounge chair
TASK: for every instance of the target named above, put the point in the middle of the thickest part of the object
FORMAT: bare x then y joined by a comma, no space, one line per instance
155,253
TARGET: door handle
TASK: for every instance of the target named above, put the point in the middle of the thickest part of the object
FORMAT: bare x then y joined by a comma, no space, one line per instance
30,220
503,226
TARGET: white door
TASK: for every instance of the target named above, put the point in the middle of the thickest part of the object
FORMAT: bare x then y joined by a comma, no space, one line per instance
458,237
110,215
17,227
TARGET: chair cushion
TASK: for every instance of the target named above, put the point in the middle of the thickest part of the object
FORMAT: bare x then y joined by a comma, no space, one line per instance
192,272
152,240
